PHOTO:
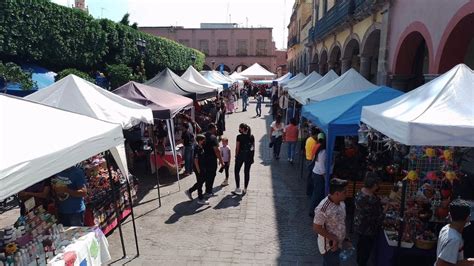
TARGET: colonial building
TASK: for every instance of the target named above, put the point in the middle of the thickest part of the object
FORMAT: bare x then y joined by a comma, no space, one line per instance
298,33
227,45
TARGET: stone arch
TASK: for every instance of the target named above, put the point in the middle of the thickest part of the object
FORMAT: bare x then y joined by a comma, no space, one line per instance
369,54
457,42
350,54
323,62
305,63
314,65
240,68
376,27
206,67
334,60
349,44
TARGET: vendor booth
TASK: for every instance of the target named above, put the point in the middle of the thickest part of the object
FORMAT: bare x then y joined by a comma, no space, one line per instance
284,78
295,93
294,79
194,76
167,80
237,76
218,78
308,80
257,72
61,140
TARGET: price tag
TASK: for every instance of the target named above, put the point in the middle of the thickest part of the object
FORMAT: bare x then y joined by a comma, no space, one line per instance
30,204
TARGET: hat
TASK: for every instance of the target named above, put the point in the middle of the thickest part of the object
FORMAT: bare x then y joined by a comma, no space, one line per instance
321,136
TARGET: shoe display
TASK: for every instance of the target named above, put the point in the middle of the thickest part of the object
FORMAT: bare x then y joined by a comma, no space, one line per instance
203,202
188,194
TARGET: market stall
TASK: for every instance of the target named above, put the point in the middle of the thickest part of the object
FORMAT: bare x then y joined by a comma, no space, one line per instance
307,81
294,79
435,120
257,72
25,160
284,78
194,76
330,76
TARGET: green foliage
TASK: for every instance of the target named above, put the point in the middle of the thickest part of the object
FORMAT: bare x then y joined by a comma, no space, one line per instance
59,37
67,71
11,72
119,75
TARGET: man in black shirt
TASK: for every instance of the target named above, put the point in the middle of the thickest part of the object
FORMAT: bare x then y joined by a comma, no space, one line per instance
188,140
211,154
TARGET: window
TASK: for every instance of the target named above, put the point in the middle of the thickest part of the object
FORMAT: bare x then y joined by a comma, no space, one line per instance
204,46
261,47
222,47
242,48
184,42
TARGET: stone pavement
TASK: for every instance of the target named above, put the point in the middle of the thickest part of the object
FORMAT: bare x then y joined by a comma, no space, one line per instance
268,226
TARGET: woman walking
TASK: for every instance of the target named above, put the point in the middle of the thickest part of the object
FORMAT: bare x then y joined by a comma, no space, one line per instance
319,172
291,137
244,155
276,136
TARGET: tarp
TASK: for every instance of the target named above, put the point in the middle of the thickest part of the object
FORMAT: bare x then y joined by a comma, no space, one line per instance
340,116
351,81
217,77
284,78
40,141
42,76
237,76
256,71
194,76
164,104
439,113
310,79
298,93
294,79
168,80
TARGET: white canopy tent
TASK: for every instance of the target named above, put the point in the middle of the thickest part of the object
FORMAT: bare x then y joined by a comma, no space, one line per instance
308,80
237,76
75,94
218,78
329,77
256,71
38,141
194,76
293,80
439,113
351,81
284,78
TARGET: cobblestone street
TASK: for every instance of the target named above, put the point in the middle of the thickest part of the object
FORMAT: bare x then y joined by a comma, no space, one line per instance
269,225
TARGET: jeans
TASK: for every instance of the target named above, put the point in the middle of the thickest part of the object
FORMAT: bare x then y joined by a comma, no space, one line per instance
364,248
71,219
188,159
200,179
331,258
244,103
210,173
309,178
259,109
291,149
318,191
277,146
238,165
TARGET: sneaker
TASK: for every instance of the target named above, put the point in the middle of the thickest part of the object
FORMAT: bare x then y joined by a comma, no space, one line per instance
203,202
244,191
209,195
188,194
225,183
237,191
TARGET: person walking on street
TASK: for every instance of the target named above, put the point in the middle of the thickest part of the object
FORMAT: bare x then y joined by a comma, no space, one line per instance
276,138
329,222
310,149
291,137
220,121
226,156
283,104
188,141
319,173
211,155
245,99
368,217
244,155
259,104
199,163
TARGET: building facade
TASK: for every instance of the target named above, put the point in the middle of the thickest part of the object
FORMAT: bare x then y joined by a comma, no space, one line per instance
400,43
226,45
298,33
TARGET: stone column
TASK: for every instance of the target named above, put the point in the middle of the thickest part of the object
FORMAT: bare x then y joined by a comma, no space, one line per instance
365,66
400,82
430,77
331,65
346,64
382,67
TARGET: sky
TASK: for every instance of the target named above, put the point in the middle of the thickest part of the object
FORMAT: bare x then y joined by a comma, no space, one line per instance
190,13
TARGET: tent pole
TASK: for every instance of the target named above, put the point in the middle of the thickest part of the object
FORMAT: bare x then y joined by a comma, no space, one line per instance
114,196
133,217
152,134
173,145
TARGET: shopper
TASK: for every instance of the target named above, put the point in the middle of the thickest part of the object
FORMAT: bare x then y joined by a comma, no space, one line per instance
368,217
69,187
259,98
188,141
211,155
310,149
283,104
276,136
199,170
226,157
244,155
41,192
220,121
319,173
291,137
450,243
329,222
245,99
275,105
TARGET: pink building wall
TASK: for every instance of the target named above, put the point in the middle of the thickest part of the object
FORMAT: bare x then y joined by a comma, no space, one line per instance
232,35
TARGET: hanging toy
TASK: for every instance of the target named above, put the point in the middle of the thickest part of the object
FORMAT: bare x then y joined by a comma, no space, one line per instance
430,153
412,176
450,176
432,176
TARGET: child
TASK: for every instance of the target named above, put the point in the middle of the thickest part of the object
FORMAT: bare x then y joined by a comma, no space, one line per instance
199,170
225,153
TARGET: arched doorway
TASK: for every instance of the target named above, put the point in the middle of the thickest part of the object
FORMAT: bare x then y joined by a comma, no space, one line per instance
240,68
412,62
206,68
323,63
334,62
369,57
350,57
314,65
459,46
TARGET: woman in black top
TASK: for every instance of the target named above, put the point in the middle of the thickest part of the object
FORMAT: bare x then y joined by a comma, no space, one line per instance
244,154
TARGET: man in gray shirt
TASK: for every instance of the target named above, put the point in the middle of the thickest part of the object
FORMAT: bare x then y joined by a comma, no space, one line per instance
450,243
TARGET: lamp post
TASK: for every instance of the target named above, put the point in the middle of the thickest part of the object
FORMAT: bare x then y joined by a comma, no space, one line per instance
193,59
212,64
141,46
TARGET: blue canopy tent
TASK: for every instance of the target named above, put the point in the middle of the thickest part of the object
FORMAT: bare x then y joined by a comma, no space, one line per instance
42,76
340,116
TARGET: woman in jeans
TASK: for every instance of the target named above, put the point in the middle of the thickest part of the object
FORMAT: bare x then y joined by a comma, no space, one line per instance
276,138
244,154
319,173
291,137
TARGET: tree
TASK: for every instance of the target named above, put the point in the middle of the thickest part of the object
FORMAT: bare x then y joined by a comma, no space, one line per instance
119,75
11,72
63,73
125,19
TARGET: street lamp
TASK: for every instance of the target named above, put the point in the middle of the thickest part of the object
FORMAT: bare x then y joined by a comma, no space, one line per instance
141,46
213,63
193,59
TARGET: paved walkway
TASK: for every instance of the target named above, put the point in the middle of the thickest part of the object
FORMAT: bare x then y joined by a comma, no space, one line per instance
269,225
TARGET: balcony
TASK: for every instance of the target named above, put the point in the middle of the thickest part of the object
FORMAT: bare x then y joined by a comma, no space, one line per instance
365,8
335,18
293,41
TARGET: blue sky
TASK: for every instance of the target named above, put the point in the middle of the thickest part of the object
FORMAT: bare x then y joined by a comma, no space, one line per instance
190,13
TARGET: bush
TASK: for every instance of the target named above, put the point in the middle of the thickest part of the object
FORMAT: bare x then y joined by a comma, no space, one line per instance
59,37
74,71
119,75
11,72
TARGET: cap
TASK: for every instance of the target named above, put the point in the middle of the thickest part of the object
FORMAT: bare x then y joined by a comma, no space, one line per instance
321,136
